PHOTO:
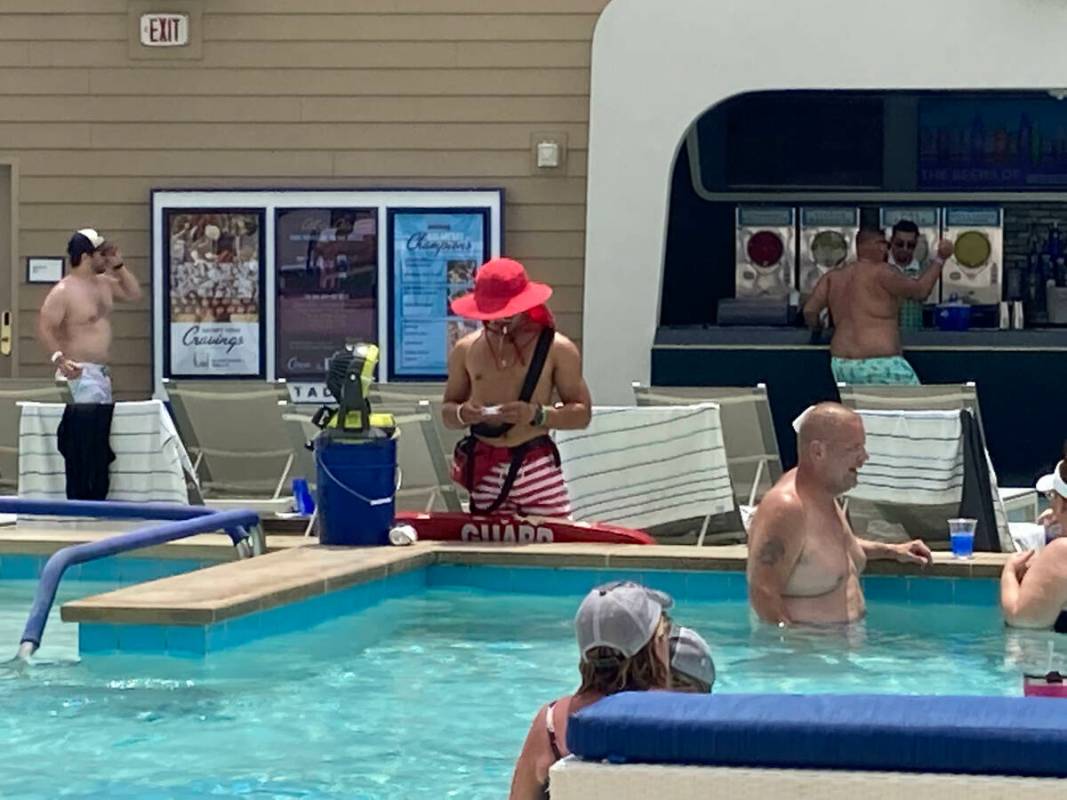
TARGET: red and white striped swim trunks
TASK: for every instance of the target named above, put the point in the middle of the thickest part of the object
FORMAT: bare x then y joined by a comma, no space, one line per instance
539,489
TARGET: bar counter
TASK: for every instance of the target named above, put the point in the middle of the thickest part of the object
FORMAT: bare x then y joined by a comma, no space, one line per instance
1020,376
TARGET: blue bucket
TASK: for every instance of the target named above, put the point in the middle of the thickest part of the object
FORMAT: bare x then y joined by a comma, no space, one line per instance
356,489
954,317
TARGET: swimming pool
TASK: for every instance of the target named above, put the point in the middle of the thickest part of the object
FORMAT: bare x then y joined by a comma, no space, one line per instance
429,695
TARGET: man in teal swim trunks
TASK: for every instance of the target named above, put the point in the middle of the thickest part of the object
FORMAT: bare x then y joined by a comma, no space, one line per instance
864,298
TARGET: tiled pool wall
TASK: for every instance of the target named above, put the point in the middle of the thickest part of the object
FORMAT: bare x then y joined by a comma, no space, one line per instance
702,585
114,569
198,641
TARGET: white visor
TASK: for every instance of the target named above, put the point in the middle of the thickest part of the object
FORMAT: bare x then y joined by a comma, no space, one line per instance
1053,483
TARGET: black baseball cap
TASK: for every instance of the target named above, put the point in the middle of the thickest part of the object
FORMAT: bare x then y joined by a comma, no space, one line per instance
83,242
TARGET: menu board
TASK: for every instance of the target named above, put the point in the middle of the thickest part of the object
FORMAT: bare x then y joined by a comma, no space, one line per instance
326,262
213,314
434,254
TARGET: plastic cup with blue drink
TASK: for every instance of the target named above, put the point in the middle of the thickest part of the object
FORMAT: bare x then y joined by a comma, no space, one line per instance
302,499
961,535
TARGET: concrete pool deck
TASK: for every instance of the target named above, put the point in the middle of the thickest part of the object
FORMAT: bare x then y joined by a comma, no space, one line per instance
307,570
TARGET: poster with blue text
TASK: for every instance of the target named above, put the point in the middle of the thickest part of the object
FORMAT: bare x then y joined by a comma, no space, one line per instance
433,257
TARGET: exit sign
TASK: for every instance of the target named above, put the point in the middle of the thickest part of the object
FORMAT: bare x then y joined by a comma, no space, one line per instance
164,30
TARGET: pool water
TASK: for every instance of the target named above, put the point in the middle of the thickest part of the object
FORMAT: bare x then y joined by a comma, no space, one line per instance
426,696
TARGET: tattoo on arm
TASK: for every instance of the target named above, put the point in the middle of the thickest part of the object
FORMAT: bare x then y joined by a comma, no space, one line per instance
771,552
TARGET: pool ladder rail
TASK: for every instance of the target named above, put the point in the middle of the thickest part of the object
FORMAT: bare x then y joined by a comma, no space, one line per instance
178,522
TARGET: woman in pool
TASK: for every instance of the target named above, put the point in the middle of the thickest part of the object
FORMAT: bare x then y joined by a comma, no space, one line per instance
1033,584
622,632
692,669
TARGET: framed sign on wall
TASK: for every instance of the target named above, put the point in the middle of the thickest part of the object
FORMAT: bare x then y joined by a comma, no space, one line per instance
433,254
213,273
327,285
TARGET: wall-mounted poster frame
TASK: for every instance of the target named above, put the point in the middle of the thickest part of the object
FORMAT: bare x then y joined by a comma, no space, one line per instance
270,202
212,280
433,254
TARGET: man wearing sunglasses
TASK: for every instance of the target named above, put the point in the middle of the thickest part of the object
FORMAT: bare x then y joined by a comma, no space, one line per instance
903,252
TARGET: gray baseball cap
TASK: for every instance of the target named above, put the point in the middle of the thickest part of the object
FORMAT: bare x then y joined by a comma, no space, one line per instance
622,616
691,655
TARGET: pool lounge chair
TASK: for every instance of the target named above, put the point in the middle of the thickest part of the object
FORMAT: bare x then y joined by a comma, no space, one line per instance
1019,503
424,448
236,435
12,392
662,469
925,467
748,431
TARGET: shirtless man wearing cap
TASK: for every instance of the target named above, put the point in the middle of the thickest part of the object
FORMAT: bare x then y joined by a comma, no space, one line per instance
509,463
804,561
864,300
1033,584
74,325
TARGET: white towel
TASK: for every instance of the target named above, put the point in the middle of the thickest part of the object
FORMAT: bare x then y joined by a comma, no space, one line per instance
916,457
647,466
150,460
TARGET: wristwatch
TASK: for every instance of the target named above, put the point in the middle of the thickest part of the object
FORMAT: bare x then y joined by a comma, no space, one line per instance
57,356
540,417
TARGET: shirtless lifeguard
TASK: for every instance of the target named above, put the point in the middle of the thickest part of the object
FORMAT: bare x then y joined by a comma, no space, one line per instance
509,463
74,325
804,561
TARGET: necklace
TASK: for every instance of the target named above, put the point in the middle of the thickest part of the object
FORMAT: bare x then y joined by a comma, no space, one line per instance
500,360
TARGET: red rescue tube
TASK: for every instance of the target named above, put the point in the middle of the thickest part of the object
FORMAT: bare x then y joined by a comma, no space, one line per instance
506,529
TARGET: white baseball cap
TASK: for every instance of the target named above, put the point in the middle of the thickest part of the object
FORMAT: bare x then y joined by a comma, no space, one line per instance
95,239
1053,483
691,655
622,616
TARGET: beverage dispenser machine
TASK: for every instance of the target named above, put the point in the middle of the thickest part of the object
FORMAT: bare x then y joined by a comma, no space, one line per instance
827,240
765,251
974,273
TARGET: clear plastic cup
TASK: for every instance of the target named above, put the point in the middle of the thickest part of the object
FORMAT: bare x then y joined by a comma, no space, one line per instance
961,535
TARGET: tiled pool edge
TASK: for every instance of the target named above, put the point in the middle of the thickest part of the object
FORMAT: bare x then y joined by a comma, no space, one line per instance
378,574
198,641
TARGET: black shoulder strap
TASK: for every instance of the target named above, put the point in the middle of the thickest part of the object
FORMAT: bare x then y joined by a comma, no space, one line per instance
537,363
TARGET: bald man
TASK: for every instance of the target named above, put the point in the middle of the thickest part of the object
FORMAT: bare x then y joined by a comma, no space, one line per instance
804,561
864,299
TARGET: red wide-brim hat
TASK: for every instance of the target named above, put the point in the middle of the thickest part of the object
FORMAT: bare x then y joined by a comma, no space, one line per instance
501,290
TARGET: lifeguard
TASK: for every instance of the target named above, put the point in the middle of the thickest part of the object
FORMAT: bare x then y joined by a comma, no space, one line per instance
502,381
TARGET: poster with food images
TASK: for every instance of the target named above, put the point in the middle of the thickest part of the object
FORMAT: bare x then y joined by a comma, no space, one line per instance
213,272
434,254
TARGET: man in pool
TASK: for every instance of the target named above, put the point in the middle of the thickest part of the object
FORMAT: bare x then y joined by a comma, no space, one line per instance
864,300
501,383
804,561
